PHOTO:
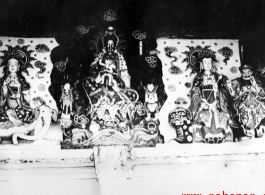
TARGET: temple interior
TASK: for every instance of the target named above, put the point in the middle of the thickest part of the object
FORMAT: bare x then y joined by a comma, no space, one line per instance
141,87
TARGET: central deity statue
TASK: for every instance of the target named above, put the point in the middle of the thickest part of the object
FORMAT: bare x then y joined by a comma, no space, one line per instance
113,106
108,86
111,61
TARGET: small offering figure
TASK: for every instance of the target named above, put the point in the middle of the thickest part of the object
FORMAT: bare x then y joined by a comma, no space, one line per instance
151,101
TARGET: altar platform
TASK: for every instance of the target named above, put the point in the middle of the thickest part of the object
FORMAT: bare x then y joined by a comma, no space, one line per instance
232,168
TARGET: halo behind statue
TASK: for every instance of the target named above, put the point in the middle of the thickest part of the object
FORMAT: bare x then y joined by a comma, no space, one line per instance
22,54
195,55
101,40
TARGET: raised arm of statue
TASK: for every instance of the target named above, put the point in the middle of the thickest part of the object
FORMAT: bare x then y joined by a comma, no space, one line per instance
101,63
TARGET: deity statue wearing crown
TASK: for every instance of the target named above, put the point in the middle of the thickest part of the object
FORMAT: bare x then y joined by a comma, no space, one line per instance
15,96
209,107
110,63
249,103
114,109
108,84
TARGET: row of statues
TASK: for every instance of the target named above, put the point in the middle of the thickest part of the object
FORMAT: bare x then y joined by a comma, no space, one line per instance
220,111
220,108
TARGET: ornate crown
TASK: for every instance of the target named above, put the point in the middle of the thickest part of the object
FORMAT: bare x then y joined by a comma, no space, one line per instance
110,34
207,53
19,53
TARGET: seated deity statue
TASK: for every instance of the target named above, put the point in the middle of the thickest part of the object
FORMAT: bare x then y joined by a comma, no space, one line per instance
249,103
209,103
111,59
108,84
15,97
112,103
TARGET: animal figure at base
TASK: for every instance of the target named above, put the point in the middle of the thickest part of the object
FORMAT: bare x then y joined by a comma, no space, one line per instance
181,120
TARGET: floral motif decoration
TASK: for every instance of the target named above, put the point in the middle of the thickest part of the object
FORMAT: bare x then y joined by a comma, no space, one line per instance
172,88
20,41
234,69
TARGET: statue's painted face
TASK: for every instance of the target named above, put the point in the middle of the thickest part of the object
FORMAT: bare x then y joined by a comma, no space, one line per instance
207,64
13,65
67,88
110,46
247,73
150,87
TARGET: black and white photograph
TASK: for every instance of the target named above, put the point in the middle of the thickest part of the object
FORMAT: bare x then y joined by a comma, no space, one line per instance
132,97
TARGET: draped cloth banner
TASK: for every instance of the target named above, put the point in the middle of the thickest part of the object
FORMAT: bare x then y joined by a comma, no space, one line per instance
38,51
180,65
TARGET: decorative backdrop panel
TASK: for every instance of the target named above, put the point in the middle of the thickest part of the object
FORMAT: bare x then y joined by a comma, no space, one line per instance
180,65
38,65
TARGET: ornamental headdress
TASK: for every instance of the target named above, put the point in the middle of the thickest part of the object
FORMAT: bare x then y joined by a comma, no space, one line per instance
110,37
195,56
207,53
21,54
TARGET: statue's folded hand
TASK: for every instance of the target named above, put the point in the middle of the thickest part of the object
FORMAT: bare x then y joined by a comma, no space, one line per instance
16,96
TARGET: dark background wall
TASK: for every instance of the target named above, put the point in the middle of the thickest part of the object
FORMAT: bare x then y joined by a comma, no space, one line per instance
217,19
244,20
